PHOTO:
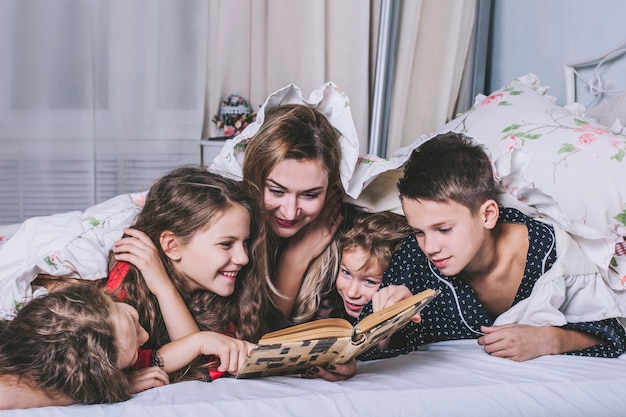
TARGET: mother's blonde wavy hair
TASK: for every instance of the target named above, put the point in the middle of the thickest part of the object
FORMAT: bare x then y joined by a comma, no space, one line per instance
296,131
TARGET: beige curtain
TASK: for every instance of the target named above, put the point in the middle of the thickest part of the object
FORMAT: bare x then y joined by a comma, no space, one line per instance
259,46
434,40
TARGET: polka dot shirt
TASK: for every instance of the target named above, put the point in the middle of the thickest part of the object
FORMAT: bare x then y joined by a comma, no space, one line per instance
457,313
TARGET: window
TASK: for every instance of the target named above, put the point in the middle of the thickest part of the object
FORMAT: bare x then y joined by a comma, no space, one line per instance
99,98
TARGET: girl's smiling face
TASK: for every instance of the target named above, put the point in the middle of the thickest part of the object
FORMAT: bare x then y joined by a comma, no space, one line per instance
214,256
294,195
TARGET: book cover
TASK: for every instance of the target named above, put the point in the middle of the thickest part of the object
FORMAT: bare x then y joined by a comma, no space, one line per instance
328,341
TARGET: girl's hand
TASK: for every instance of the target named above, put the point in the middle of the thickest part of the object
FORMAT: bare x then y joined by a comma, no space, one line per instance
231,352
147,378
138,249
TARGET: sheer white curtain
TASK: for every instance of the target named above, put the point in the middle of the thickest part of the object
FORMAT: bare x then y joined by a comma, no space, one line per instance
97,98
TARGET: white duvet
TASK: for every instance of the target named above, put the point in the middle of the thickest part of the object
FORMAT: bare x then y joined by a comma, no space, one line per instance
74,244
455,378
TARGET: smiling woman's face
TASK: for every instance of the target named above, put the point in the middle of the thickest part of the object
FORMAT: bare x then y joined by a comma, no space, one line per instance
294,195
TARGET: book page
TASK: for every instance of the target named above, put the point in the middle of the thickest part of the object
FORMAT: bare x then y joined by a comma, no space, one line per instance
294,357
294,350
324,328
372,320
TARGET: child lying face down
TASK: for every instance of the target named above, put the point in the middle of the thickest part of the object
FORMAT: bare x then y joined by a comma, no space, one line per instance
68,347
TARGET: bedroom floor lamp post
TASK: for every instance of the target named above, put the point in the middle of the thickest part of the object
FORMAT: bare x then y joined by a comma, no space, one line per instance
383,77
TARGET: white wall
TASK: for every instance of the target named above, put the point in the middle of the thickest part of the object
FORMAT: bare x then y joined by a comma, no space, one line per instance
539,36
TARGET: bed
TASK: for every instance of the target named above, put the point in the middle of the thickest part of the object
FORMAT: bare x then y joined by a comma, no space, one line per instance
556,161
446,379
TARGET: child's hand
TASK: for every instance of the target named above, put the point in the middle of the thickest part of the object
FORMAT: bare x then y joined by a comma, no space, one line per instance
147,378
337,372
520,342
231,352
390,295
138,249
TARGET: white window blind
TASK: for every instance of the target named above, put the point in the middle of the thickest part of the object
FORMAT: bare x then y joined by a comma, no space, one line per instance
97,98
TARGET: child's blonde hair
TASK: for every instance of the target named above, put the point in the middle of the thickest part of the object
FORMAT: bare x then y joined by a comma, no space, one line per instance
378,234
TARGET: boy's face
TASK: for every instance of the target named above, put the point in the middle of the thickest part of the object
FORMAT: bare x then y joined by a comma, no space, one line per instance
357,286
446,232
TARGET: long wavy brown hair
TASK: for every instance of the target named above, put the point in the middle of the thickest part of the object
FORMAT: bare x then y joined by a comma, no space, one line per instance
296,131
186,201
64,344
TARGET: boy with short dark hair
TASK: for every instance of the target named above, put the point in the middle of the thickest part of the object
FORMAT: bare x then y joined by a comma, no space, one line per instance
521,286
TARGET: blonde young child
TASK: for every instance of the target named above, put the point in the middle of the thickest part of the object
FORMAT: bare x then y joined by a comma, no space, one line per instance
184,265
366,244
366,250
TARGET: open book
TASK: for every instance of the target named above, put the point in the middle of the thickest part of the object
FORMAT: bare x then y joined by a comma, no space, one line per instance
328,341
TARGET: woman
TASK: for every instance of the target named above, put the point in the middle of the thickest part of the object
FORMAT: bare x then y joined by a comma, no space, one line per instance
293,161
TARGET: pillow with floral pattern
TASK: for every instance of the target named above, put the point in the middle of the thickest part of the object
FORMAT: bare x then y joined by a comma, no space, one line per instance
569,168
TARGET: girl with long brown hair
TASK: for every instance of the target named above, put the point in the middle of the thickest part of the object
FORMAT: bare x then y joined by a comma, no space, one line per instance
185,265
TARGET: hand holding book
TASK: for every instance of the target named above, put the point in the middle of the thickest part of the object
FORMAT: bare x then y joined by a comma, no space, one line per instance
328,341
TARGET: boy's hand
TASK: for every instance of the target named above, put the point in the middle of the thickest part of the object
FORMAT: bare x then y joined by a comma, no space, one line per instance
147,378
521,342
390,295
337,372
518,342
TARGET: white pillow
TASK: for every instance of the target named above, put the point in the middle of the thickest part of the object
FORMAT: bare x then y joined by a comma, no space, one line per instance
568,167
610,111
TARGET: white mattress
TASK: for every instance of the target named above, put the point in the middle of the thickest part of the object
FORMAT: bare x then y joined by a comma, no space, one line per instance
448,379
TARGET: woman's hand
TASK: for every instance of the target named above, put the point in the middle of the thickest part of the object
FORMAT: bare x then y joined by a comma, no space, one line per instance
302,248
311,241
147,378
337,372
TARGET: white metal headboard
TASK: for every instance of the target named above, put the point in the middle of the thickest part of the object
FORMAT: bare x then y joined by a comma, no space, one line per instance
595,83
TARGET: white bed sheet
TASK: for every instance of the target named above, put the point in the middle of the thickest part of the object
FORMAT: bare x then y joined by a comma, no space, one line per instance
448,379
